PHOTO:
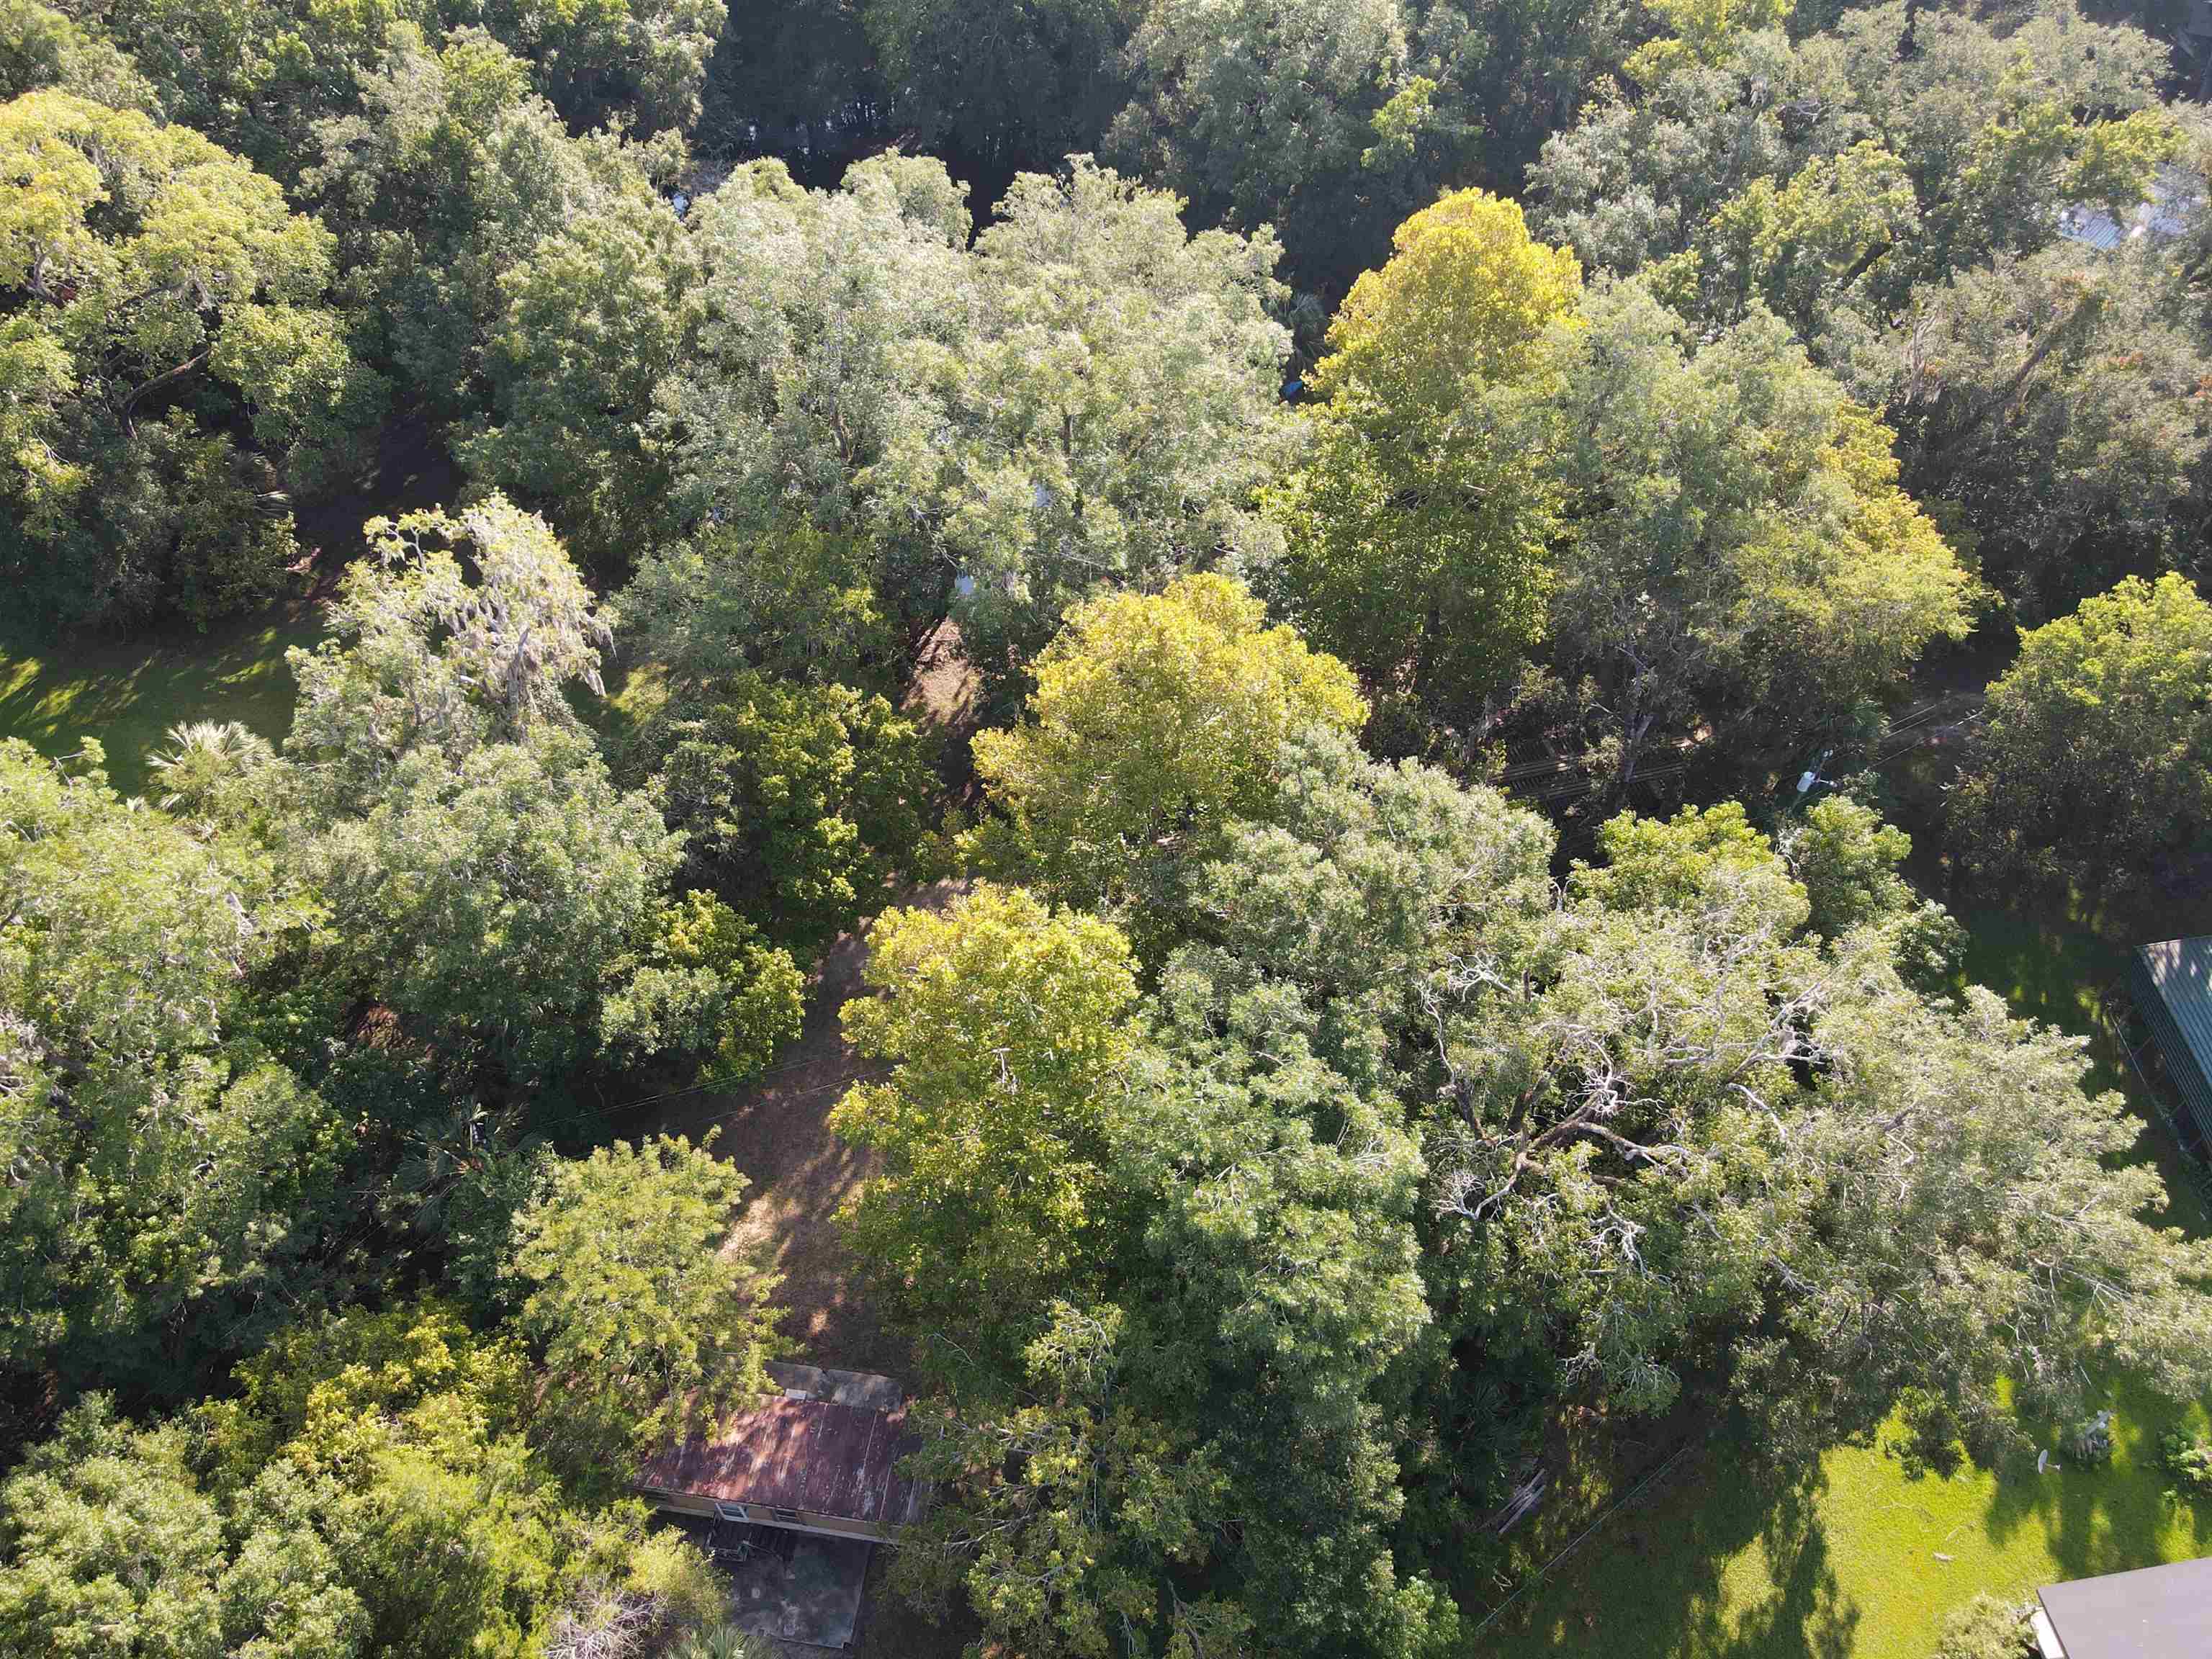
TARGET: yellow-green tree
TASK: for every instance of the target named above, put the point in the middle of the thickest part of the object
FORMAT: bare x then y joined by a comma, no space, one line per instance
1157,721
1417,529
644,1320
150,279
1700,32
1003,1024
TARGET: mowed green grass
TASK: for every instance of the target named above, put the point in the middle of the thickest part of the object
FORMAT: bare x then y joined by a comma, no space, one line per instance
1863,1564
127,693
1709,1565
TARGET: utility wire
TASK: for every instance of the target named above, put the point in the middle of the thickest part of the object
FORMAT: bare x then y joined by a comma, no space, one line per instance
1544,1571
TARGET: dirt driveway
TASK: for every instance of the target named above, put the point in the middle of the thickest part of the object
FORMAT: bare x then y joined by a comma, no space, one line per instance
778,1133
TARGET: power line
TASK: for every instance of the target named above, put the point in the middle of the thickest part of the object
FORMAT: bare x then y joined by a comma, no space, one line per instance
1544,1571
1568,778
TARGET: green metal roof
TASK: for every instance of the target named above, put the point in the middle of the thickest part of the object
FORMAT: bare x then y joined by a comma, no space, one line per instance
2173,987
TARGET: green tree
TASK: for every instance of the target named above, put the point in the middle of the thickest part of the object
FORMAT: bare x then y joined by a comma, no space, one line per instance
1740,558
1832,176
1156,722
1689,1032
485,898
1360,891
426,654
487,880
1267,1281
1637,177
393,1445
1846,859
799,803
811,302
596,317
1060,1518
641,1314
642,60
1259,112
1985,1628
1704,1105
1280,1280
792,67
40,47
256,75
1700,32
213,771
792,600
107,1543
1003,1024
1008,87
708,986
443,174
2053,402
1818,250
1508,73
261,76
2095,767
1108,422
1418,527
153,279
170,1174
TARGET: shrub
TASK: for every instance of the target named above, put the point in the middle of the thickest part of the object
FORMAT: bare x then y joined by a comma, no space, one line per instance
1929,1443
1984,1628
2188,1459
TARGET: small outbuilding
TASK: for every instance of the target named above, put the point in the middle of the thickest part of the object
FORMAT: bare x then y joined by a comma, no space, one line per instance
2159,1613
820,1457
2171,982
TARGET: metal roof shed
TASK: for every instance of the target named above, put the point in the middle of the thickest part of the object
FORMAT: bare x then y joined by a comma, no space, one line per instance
823,1457
2159,1613
2172,984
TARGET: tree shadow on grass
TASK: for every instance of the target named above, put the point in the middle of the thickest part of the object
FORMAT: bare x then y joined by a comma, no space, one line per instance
2111,1517
1740,1571
127,693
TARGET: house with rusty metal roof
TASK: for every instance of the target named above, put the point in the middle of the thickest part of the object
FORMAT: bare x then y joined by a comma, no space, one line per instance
820,1457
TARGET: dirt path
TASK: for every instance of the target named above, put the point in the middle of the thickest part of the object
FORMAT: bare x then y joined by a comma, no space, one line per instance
778,1133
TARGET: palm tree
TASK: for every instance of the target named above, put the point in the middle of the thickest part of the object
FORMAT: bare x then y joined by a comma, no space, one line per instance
204,758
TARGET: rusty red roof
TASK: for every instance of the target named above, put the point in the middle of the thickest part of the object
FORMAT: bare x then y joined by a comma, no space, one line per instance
812,1455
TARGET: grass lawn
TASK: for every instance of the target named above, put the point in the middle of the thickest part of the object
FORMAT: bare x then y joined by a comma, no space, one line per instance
127,693
1708,1565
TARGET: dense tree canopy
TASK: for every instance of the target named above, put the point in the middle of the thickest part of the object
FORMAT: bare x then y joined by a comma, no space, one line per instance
170,1171
1393,1095
1740,556
156,290
1271,112
1110,420
1902,211
298,1516
1162,647
2095,768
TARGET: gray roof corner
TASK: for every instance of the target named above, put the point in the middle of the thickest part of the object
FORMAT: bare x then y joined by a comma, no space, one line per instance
2174,988
2155,1613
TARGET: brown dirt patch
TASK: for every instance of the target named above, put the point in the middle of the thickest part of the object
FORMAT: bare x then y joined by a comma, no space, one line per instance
944,687
778,1133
